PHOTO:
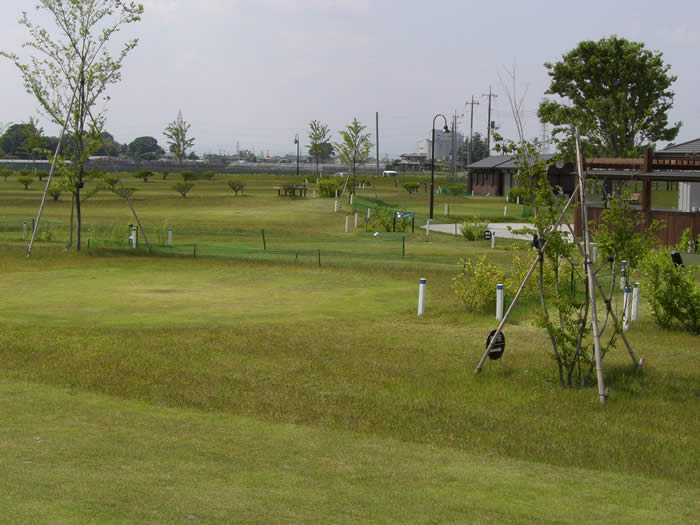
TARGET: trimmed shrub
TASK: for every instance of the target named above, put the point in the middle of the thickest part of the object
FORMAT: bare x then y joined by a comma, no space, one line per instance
475,284
4,172
183,188
55,190
236,185
208,175
473,229
410,187
327,187
143,174
188,175
41,174
25,181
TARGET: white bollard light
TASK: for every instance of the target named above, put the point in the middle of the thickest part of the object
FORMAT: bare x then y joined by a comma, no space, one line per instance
368,211
505,210
627,309
447,209
24,230
421,296
347,220
506,197
595,253
623,275
133,237
635,301
427,227
170,236
351,197
499,302
493,239
313,194
518,200
336,193
356,220
335,209
472,193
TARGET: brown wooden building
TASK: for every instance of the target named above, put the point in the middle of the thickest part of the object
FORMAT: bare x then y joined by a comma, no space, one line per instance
665,167
495,175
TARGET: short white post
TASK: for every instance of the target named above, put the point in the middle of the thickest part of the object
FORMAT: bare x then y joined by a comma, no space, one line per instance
368,211
427,227
472,193
335,208
506,197
336,193
347,220
518,200
623,276
133,237
505,211
635,301
493,239
456,229
499,302
170,236
313,194
351,196
595,253
356,220
447,209
421,296
24,230
627,305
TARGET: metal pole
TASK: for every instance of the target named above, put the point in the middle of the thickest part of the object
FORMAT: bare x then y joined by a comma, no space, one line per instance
432,171
377,140
126,196
589,271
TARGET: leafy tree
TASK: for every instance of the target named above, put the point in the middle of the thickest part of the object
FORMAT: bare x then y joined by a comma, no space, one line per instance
183,188
165,174
41,174
236,186
143,146
126,191
616,91
74,69
143,174
5,172
176,135
479,148
13,141
108,146
354,147
188,175
25,181
320,147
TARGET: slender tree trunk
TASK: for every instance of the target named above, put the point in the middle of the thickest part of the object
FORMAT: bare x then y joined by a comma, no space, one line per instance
546,314
78,216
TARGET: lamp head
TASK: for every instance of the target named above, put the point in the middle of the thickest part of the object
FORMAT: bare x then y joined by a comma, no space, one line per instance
296,140
445,129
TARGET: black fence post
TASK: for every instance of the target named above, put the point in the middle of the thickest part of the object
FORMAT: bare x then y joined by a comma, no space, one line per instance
319,257
194,250
403,246
263,239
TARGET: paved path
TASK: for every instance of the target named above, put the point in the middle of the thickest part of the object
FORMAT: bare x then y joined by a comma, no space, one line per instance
501,229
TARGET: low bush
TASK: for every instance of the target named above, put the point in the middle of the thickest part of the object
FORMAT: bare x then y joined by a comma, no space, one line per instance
41,174
5,172
410,187
674,296
473,229
327,187
208,175
188,175
475,284
456,190
144,174
55,190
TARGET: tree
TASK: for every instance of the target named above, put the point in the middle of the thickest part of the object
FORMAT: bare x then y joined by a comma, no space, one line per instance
183,188
355,147
479,148
236,186
320,146
142,147
616,92
108,146
5,172
143,174
13,141
176,135
25,180
74,69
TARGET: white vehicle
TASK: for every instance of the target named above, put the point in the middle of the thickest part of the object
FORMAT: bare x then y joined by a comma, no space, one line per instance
390,174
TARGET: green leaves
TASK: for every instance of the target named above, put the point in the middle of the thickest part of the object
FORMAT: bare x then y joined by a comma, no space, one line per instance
616,91
355,145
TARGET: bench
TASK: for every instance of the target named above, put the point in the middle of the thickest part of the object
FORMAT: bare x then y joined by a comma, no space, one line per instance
290,191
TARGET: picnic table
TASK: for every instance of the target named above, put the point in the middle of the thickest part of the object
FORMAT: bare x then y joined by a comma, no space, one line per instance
291,190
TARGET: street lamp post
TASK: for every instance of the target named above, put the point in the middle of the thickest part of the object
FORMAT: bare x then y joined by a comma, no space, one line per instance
445,129
296,141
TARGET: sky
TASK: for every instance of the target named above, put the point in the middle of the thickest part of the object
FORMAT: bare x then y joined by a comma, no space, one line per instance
253,73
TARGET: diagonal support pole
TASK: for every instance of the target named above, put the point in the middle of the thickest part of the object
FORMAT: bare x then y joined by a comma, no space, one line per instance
540,254
135,216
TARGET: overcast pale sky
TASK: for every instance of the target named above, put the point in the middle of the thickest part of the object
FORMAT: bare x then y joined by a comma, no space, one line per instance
257,71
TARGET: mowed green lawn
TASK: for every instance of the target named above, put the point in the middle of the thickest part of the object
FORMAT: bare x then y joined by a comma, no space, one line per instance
159,389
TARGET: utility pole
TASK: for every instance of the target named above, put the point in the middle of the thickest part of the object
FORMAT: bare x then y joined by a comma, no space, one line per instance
488,124
454,148
470,151
377,140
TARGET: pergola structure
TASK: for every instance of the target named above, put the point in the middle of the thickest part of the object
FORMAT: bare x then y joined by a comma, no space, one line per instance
659,167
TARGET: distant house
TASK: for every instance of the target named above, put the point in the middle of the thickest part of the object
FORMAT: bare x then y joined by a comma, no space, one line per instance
495,175
688,192
410,162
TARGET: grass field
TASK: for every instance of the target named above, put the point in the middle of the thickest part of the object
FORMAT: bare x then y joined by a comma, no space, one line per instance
160,389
